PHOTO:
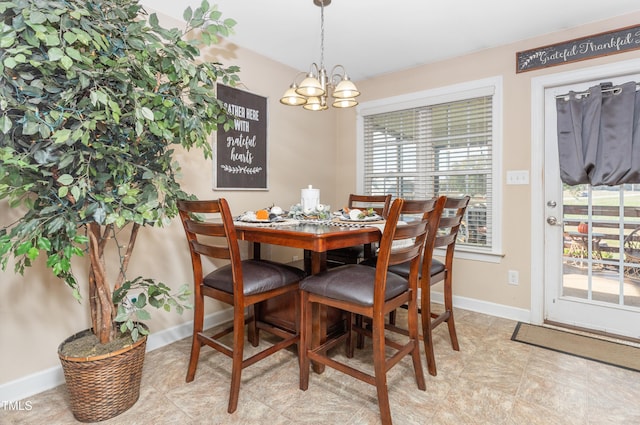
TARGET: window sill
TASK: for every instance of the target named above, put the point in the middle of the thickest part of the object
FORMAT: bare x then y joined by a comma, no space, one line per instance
484,256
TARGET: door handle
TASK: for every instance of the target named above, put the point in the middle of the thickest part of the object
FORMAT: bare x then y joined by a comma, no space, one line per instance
552,220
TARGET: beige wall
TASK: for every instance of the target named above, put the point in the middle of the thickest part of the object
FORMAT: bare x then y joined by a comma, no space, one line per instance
37,312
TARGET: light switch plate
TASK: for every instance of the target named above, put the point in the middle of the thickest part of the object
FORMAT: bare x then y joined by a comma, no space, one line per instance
518,177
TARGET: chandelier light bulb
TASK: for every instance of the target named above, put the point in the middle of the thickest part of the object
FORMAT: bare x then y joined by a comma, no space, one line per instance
313,104
346,89
344,103
292,98
310,86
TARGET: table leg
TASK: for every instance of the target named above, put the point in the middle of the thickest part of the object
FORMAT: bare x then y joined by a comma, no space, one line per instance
252,328
318,262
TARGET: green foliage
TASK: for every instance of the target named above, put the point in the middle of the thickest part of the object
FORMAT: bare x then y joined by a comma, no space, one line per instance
132,308
93,97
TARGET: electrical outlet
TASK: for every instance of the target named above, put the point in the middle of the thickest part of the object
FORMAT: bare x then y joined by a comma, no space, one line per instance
512,277
295,258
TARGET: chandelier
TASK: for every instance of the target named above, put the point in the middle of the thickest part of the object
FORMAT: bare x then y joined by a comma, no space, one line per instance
313,91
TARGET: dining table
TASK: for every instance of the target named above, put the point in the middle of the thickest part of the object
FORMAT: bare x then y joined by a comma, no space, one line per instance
315,237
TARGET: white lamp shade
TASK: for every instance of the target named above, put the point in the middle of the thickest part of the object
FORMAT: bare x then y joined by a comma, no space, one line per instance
345,89
310,87
291,98
314,104
344,103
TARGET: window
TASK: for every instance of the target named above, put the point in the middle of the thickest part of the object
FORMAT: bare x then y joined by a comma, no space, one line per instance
439,142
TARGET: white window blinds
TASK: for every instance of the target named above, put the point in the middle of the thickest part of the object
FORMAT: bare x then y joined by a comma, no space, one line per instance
437,149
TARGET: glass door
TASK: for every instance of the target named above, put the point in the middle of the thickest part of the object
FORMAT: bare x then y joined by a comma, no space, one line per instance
592,245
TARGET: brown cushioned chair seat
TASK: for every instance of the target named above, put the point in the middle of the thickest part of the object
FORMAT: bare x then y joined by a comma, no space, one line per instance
258,276
352,283
403,269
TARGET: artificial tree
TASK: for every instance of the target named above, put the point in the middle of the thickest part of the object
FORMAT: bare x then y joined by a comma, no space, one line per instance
94,95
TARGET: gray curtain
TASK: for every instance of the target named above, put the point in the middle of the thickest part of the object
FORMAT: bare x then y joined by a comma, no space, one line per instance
599,135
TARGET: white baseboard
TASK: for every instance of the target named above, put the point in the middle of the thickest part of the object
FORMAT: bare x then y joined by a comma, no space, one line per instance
38,382
171,335
50,378
29,385
486,307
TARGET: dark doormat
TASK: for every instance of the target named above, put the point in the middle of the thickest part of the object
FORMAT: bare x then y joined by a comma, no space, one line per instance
599,350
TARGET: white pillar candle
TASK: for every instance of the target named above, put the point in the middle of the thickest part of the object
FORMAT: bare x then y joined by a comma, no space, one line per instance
309,198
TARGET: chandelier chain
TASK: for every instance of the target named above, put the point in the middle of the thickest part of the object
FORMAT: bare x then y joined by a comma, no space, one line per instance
313,91
322,34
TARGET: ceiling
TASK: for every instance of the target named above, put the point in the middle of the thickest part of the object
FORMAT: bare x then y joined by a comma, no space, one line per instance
374,37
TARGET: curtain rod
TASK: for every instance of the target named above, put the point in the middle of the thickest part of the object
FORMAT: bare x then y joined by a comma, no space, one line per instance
615,90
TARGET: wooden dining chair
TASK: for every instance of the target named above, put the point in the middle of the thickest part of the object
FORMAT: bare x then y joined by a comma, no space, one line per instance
241,284
430,210
443,236
355,254
371,293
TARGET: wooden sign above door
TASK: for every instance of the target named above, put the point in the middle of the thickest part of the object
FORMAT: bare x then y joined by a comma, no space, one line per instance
593,46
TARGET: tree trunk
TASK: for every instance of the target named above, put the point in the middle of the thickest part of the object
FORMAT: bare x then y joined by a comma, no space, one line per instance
102,309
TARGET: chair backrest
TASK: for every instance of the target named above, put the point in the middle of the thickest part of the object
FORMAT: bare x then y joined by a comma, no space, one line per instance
210,232
430,210
400,244
449,225
379,203
422,209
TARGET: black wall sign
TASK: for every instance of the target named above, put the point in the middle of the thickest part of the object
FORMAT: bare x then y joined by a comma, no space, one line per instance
241,153
603,44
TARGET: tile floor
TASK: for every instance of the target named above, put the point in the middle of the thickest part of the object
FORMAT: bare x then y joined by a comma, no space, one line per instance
492,380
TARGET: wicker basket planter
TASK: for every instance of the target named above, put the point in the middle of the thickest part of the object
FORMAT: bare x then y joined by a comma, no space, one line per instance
104,386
